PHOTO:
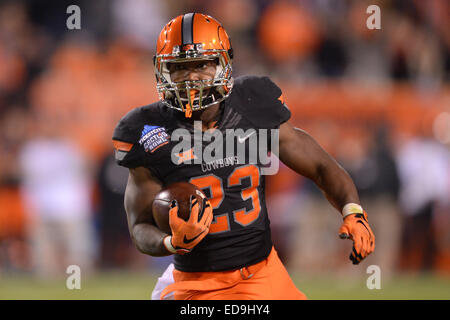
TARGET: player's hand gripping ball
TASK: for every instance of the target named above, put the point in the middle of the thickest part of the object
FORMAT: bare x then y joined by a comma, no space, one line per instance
182,211
187,234
356,227
181,192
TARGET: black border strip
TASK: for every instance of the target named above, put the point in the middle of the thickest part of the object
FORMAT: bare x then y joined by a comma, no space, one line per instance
187,29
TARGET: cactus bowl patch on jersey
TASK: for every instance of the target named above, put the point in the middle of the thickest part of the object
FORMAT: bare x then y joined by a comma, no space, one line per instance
153,137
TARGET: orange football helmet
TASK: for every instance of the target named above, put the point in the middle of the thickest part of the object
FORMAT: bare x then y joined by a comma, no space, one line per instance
190,37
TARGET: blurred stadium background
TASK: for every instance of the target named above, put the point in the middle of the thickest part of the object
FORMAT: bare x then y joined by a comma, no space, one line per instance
377,100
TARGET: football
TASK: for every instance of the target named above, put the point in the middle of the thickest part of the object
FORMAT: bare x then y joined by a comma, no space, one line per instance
181,192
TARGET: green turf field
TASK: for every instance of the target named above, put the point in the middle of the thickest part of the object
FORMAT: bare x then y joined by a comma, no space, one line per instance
123,285
401,287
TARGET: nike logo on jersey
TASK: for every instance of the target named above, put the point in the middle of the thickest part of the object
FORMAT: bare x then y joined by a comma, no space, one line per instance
242,139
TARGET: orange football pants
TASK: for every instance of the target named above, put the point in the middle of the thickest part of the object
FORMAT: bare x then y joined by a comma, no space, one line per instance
266,280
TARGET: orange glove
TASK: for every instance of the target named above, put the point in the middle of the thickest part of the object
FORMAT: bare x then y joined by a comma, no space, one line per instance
356,227
187,234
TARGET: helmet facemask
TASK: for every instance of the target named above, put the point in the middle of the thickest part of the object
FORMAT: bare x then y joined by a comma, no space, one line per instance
182,95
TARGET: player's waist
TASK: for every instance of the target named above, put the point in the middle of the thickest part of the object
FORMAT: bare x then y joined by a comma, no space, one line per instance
210,281
226,254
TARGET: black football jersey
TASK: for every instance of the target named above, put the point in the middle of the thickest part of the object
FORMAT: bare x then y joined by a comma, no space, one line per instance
149,136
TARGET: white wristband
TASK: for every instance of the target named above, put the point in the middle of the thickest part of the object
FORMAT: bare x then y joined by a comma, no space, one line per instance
167,241
351,208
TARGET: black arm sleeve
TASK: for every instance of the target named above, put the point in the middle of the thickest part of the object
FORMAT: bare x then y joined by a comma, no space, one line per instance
130,154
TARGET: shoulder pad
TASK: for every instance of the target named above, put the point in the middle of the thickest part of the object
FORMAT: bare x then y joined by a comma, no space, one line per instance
128,151
130,126
260,101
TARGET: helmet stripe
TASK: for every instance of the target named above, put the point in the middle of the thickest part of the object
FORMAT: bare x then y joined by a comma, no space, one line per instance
187,29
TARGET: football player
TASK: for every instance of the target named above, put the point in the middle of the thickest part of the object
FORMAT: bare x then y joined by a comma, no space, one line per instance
235,259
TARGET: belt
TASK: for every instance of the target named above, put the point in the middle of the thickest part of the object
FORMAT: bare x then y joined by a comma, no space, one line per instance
210,281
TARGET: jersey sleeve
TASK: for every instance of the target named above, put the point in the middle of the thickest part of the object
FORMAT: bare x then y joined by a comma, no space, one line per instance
128,152
261,101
